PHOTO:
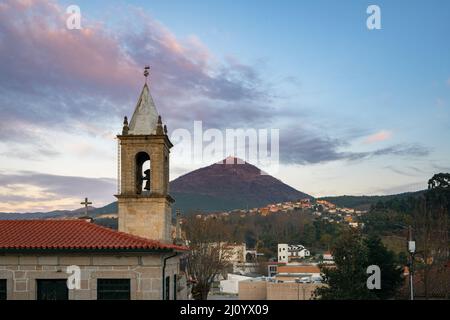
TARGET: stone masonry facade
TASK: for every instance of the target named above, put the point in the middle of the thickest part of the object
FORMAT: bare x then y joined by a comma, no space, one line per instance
143,270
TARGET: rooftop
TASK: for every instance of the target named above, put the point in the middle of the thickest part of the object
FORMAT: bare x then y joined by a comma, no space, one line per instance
298,269
22,235
145,116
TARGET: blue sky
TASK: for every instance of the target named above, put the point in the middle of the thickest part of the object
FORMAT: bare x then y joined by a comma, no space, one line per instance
359,111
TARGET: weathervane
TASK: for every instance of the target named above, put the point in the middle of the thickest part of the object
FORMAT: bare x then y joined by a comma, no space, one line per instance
146,72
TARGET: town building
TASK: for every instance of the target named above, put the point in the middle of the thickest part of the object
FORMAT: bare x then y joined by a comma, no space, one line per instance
288,253
326,204
76,259
231,283
242,259
328,258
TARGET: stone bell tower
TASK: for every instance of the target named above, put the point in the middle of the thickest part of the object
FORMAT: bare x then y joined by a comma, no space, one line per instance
143,200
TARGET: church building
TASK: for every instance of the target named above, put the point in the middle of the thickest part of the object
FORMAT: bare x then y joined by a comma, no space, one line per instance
76,259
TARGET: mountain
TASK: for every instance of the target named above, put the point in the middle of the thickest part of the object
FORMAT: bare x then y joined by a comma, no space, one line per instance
45,215
364,202
223,186
229,184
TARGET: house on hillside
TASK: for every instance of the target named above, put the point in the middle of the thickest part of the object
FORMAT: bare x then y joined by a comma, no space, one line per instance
327,258
288,253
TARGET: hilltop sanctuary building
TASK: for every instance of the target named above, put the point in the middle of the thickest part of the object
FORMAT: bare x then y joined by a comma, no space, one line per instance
77,259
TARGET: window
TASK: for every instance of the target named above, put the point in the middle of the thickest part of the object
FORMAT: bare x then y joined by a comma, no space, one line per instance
52,289
174,287
113,289
2,289
167,289
272,270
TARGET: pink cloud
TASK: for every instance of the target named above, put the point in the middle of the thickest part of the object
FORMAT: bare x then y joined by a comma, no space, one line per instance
58,77
378,137
38,50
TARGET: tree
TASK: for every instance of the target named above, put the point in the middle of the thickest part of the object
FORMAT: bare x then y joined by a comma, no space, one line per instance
439,181
326,240
348,279
208,256
431,229
391,272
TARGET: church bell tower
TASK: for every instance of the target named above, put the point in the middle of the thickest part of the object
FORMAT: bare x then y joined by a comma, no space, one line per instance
144,202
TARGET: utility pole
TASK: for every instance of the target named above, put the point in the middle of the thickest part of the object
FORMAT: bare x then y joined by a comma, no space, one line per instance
412,250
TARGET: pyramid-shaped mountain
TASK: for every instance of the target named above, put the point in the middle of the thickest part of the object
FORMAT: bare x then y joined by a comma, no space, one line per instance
229,184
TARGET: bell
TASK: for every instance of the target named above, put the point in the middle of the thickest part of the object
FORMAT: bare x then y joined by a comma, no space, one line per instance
147,178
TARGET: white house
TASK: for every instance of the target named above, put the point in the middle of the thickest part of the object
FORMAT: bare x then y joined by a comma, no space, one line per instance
287,252
328,258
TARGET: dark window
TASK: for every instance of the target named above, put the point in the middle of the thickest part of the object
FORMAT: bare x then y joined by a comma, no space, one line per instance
52,289
174,287
113,289
167,289
2,289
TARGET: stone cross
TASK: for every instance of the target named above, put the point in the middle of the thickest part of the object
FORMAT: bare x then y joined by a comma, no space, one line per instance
86,203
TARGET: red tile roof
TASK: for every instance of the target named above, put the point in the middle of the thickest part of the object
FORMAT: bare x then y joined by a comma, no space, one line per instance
73,235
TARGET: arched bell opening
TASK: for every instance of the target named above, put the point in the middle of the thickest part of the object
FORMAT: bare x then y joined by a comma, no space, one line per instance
143,173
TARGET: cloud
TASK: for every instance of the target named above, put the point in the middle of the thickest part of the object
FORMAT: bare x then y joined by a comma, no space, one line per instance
39,52
440,102
57,78
296,146
378,136
403,171
85,81
401,150
27,190
183,67
25,141
409,187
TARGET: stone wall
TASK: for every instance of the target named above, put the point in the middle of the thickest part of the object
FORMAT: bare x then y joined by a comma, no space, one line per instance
144,272
263,290
290,291
252,290
146,217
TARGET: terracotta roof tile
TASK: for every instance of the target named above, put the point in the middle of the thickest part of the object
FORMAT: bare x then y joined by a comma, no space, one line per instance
71,234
